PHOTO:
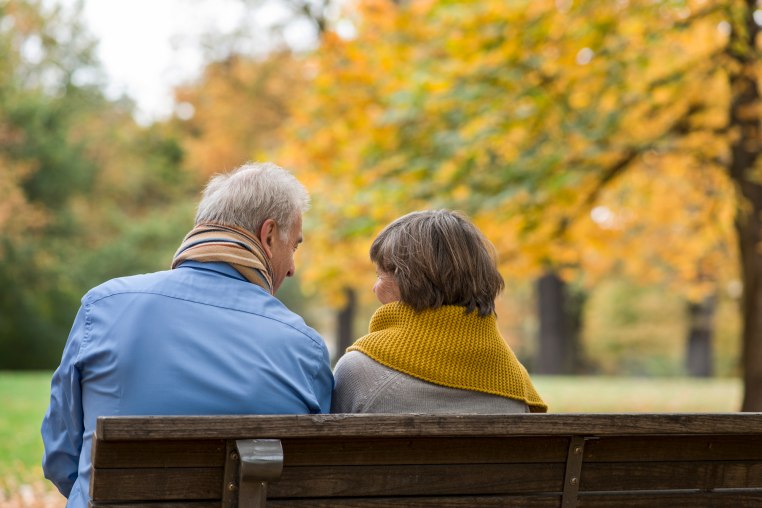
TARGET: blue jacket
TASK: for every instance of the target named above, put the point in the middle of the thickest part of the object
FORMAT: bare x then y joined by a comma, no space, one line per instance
199,339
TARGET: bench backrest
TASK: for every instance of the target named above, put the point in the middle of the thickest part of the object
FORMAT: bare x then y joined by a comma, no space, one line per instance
527,460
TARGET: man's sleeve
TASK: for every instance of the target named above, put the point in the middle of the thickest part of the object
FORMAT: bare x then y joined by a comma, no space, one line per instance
63,424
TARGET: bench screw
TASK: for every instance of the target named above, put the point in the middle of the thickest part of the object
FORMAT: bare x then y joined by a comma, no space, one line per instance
231,486
573,481
234,455
577,450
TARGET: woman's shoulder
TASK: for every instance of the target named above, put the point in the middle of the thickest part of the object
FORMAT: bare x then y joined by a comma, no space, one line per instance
359,379
357,363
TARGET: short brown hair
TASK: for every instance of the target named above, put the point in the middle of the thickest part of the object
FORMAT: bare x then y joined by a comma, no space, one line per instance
439,258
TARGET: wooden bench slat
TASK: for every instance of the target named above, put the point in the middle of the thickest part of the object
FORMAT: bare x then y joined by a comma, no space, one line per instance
347,451
127,454
671,475
692,500
159,504
674,448
667,499
455,479
545,501
211,453
374,425
156,483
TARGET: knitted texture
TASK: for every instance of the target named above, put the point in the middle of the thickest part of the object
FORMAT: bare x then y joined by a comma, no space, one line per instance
448,347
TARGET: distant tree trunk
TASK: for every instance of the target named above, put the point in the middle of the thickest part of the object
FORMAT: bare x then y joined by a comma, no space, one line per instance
751,301
345,318
745,149
560,323
699,357
575,311
552,340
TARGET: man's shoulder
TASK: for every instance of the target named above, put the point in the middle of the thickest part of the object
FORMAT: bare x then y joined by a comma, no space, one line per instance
198,286
273,309
127,284
207,289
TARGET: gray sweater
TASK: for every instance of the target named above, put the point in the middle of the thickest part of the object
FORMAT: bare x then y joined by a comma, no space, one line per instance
365,386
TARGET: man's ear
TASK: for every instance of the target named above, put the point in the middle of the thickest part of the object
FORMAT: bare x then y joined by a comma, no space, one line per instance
267,235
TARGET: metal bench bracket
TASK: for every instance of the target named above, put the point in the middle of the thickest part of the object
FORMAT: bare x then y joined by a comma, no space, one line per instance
573,474
250,464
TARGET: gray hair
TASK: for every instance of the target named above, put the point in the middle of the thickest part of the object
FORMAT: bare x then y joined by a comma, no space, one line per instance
249,195
439,258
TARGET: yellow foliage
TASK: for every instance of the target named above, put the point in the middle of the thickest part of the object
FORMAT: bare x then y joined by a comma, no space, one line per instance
237,108
515,112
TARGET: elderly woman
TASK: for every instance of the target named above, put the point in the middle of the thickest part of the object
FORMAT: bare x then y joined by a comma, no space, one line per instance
434,345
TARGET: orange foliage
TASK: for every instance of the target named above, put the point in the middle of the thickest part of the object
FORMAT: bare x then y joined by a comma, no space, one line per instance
235,109
17,215
518,113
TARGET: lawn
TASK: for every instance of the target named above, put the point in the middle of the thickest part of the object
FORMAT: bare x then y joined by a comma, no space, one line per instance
24,399
639,395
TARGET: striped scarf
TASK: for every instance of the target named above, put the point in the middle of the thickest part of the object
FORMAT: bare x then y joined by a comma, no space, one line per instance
208,243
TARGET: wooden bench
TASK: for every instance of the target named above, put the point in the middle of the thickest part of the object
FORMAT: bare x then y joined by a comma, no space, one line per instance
526,460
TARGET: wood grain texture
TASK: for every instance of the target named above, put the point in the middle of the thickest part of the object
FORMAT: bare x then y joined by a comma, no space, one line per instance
167,484
543,501
414,480
423,450
159,504
339,461
127,454
673,500
674,448
671,475
374,425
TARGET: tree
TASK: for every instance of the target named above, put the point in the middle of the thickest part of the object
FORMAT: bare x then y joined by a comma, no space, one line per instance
743,54
534,115
41,166
81,176
559,313
699,352
236,108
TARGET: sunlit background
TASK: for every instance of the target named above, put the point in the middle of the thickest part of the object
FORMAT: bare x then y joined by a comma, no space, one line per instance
609,150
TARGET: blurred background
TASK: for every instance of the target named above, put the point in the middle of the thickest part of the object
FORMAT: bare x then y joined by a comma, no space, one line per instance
609,150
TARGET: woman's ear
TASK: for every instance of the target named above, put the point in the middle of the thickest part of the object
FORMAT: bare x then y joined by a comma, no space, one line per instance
267,236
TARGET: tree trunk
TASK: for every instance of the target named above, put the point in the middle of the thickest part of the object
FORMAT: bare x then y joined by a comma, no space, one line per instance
748,227
345,318
699,357
744,118
560,322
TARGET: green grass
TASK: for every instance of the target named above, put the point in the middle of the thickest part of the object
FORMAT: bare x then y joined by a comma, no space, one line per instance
639,395
24,399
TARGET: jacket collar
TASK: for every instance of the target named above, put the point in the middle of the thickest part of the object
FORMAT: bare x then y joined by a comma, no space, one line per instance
220,268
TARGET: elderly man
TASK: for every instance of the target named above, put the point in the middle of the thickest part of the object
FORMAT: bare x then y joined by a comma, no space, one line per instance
207,337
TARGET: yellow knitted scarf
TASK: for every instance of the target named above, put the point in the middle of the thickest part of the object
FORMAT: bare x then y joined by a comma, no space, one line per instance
209,243
448,347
